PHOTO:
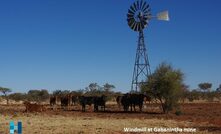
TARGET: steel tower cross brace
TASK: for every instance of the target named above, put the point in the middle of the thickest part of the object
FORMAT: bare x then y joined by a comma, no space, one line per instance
141,66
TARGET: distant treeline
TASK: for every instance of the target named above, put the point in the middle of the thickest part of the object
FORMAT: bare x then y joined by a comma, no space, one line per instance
94,89
43,95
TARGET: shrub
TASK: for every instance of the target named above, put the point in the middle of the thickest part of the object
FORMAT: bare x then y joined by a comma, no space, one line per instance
166,85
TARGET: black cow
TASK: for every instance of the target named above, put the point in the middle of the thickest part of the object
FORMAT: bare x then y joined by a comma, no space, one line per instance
136,100
125,101
99,101
65,101
132,100
75,99
86,100
53,100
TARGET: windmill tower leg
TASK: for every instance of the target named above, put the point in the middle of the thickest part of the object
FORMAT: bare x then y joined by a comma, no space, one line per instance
141,66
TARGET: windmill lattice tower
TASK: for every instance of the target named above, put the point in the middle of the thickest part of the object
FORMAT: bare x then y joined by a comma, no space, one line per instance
138,17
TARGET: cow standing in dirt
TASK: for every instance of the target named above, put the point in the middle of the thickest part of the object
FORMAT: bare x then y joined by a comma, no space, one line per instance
66,101
125,101
137,100
132,100
75,99
99,101
86,100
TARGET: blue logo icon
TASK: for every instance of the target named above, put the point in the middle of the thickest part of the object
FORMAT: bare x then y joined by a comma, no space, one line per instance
14,128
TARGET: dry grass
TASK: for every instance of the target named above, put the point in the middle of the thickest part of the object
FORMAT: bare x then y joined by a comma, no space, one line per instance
37,123
57,124
205,117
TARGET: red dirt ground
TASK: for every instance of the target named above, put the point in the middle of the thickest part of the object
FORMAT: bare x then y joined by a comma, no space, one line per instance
207,116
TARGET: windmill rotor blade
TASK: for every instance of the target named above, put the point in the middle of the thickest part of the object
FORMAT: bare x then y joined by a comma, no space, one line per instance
133,26
130,16
136,27
145,18
132,8
131,23
141,3
146,8
138,6
135,7
130,12
131,19
138,15
144,5
144,23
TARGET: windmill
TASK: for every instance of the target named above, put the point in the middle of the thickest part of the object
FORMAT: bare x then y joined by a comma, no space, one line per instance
138,17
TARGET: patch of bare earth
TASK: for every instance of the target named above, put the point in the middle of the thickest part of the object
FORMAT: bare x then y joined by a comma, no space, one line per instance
205,117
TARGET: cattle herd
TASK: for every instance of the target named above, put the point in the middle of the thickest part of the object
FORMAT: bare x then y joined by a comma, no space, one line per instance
126,101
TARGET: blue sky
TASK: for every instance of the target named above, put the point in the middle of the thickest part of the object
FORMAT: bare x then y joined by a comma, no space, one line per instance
55,44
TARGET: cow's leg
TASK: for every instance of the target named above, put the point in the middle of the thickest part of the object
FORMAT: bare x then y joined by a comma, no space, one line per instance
83,108
131,107
118,105
95,108
127,107
134,106
140,106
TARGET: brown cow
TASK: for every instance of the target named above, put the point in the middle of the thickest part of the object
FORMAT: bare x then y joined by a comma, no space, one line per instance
33,107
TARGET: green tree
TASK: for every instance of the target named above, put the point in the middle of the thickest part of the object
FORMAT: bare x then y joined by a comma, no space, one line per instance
44,95
38,95
166,85
108,88
5,92
205,86
18,96
93,89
